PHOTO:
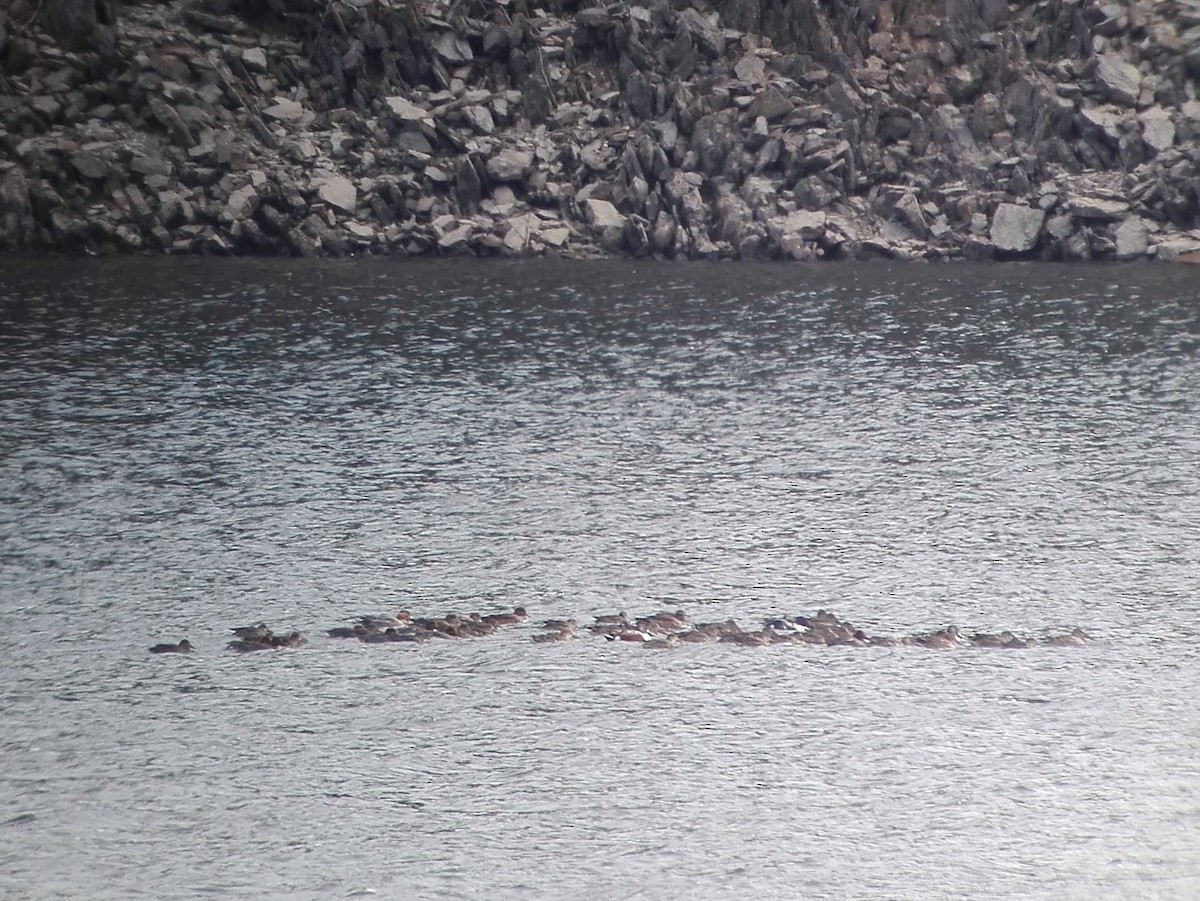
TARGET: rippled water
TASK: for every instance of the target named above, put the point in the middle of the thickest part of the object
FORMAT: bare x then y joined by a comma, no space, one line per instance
188,446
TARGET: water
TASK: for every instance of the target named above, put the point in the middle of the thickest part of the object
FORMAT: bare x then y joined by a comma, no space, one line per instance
193,445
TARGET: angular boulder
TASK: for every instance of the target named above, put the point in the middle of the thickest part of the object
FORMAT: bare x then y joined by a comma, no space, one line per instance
1015,229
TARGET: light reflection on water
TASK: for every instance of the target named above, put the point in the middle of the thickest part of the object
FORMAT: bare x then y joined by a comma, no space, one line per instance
186,448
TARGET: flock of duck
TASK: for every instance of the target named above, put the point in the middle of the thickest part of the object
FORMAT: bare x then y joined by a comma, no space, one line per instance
655,630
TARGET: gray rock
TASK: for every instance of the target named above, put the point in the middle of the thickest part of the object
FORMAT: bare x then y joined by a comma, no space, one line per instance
750,68
510,165
338,192
601,214
663,236
1132,239
453,48
521,232
407,111
1015,228
255,59
909,211
285,110
1118,80
89,165
704,32
241,204
1177,249
1158,131
151,164
1100,209
1102,122
480,118
770,104
806,225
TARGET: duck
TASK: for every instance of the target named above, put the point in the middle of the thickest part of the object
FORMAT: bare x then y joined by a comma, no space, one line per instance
943,639
252,633
559,624
505,619
358,630
749,639
556,635
989,640
716,630
400,618
612,619
184,647
667,641
629,633
781,624
246,645
1073,638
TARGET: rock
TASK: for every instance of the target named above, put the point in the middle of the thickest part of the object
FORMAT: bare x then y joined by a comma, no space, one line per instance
704,32
510,165
338,192
557,236
1098,208
255,59
792,230
89,165
455,240
284,110
1101,121
407,111
601,214
1132,239
1015,229
770,104
241,204
1118,80
453,48
521,231
908,209
480,118
467,185
662,238
151,164
1158,131
751,69
362,234
1178,250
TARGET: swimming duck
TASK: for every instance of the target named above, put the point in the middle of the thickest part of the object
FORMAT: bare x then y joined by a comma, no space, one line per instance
748,639
252,633
184,647
401,618
504,619
667,641
612,619
246,645
1073,638
945,638
989,640
358,630
556,635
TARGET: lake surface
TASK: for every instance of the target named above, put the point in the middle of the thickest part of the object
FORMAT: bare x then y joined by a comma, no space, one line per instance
188,446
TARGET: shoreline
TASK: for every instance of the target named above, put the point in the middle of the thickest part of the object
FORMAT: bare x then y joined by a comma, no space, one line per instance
919,131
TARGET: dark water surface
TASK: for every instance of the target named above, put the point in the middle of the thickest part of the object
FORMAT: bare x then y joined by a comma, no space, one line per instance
192,445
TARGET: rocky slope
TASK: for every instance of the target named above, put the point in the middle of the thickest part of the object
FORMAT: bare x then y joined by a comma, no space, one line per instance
750,129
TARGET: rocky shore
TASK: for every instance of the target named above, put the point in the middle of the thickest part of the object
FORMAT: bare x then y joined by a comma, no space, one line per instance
744,129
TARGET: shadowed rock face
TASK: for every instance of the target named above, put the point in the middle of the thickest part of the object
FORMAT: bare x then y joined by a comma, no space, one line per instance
759,130
78,24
